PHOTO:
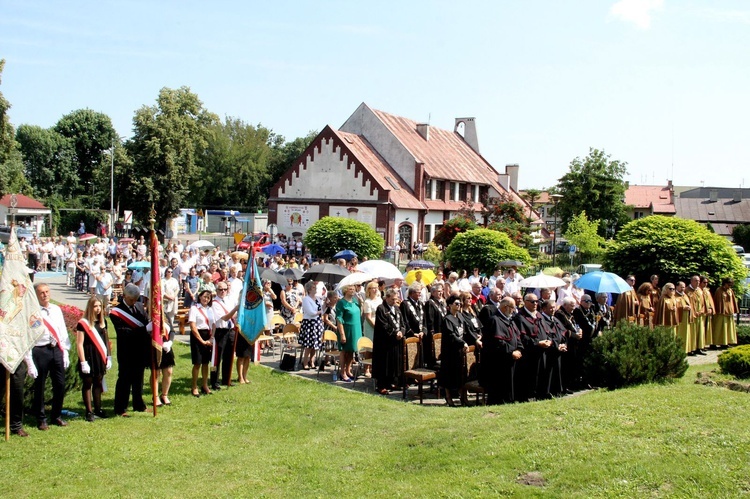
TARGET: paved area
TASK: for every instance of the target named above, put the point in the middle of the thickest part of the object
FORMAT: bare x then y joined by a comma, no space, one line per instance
64,294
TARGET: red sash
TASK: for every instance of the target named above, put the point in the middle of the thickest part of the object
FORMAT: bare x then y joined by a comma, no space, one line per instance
126,317
93,334
54,334
230,322
208,322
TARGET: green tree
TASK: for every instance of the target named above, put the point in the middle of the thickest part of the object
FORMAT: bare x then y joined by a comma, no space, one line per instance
582,232
483,248
90,133
329,235
12,178
237,152
532,196
595,185
168,138
49,161
503,214
741,236
675,249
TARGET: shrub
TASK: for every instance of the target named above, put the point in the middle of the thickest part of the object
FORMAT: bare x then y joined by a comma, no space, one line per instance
329,235
453,227
736,361
743,335
483,248
631,355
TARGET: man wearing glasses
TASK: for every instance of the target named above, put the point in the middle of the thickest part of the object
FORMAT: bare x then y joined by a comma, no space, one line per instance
533,380
501,350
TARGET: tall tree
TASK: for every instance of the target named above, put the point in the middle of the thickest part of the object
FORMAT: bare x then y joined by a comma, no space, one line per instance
48,160
595,185
168,139
90,133
532,196
583,233
11,167
234,166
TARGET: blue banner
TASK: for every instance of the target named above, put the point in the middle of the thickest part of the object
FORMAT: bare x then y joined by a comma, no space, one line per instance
252,316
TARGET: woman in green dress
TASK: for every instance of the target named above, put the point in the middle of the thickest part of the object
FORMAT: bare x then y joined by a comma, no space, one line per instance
349,317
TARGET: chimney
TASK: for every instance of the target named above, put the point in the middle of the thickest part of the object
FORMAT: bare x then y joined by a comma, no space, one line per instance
470,132
713,195
419,178
737,196
504,180
512,172
424,130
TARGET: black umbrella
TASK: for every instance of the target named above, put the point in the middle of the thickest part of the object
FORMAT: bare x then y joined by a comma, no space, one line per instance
327,272
510,263
420,264
295,274
273,276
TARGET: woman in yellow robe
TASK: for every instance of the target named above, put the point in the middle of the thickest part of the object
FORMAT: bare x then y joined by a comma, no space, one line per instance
667,313
724,329
685,329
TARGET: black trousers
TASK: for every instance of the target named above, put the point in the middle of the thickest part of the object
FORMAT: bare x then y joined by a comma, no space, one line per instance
16,394
49,362
225,351
129,378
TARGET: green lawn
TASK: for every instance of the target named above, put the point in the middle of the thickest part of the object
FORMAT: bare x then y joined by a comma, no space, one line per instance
286,437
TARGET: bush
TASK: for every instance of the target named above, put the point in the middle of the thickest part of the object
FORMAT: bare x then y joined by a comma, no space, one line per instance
736,361
453,227
483,249
631,355
329,235
743,335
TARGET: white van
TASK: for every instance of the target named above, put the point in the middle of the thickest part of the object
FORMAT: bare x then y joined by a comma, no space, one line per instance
585,268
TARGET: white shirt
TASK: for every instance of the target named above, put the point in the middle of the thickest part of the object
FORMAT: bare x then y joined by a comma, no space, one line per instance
220,309
197,317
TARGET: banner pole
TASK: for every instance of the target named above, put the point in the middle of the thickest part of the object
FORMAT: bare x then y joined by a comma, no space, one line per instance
7,405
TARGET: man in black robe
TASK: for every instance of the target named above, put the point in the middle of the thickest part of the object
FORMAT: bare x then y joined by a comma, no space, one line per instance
572,362
413,312
389,331
501,350
555,332
585,318
532,382
434,312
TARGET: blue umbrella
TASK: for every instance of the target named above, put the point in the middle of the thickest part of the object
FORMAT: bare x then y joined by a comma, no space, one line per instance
603,282
143,264
421,264
346,255
273,249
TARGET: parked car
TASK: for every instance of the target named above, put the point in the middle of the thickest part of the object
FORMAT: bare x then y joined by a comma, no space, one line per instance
738,249
257,240
585,268
20,232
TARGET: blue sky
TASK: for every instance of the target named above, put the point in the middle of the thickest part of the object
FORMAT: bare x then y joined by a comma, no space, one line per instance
660,84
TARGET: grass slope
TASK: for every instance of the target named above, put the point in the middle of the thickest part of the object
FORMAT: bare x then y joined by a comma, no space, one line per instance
286,437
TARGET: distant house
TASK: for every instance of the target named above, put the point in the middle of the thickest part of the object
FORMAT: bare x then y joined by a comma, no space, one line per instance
401,177
645,200
722,208
29,212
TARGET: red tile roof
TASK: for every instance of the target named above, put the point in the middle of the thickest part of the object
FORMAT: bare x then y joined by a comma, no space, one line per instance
24,202
654,197
400,193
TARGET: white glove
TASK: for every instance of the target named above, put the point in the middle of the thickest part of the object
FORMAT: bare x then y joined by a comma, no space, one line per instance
167,346
66,359
30,368
85,369
109,362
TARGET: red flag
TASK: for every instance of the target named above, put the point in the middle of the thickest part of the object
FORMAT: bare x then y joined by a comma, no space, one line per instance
155,298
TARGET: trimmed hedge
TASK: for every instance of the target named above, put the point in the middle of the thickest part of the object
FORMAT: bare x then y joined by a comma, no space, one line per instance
743,335
631,355
736,361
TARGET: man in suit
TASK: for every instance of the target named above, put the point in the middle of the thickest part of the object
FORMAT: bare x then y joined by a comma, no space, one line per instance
133,350
50,356
501,350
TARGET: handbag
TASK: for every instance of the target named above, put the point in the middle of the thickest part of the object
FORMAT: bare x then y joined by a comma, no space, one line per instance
288,361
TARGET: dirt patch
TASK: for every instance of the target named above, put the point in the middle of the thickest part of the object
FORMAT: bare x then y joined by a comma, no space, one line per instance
533,478
707,379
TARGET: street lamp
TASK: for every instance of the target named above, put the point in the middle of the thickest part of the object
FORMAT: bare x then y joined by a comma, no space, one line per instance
112,215
555,199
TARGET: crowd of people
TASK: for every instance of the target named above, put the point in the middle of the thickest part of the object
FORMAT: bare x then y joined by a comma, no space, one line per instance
529,346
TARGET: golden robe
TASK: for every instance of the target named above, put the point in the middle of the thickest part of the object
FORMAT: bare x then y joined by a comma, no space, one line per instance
724,328
626,307
697,304
685,329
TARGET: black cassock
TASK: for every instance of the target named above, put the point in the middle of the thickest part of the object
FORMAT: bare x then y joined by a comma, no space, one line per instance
386,348
500,338
451,356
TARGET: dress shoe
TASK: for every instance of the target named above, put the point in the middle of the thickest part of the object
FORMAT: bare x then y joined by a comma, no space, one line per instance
216,387
568,391
59,422
701,352
206,390
100,414
90,417
20,432
42,426
450,401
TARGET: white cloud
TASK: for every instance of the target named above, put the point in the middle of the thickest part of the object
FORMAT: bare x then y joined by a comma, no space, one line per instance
638,12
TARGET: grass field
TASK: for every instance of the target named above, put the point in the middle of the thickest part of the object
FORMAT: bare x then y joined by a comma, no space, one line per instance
285,437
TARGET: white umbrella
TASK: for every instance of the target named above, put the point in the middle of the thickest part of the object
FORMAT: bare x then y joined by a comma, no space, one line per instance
354,278
201,244
380,269
541,281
